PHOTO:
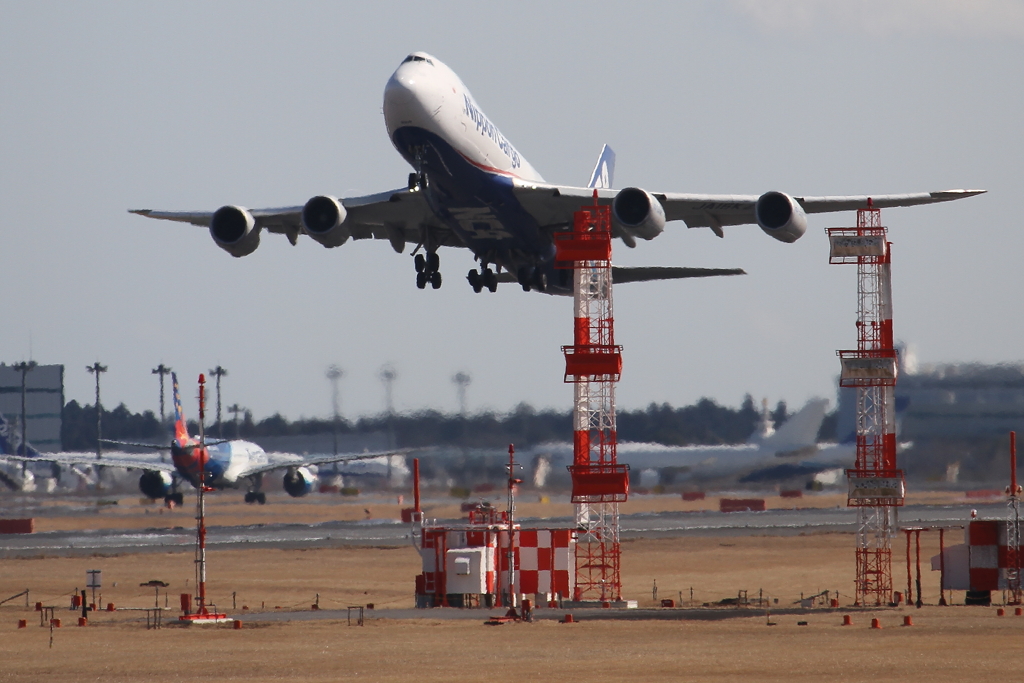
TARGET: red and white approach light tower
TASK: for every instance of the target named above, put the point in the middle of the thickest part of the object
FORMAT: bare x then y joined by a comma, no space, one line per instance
594,364
876,487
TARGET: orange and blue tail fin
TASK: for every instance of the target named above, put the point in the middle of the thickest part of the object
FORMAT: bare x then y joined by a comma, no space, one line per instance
180,424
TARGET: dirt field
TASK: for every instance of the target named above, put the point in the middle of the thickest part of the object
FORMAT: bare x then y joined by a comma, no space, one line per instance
945,643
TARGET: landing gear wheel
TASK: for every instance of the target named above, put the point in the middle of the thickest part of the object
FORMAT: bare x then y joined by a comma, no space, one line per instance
435,279
178,499
474,281
414,180
540,280
490,279
433,262
421,280
523,277
261,498
250,497
420,262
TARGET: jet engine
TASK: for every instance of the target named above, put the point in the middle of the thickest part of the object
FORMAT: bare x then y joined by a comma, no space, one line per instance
155,485
323,219
234,230
638,213
298,481
780,216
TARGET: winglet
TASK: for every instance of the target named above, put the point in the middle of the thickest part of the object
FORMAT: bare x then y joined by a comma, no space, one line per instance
601,178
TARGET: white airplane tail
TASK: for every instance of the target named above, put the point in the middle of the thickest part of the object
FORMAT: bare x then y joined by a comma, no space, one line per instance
604,172
800,430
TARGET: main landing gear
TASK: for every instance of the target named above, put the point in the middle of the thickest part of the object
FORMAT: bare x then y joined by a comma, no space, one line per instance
177,499
428,270
532,278
256,497
485,277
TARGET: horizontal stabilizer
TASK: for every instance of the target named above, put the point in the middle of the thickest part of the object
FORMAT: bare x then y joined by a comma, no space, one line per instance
621,274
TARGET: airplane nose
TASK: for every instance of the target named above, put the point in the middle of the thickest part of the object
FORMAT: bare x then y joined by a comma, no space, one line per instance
400,89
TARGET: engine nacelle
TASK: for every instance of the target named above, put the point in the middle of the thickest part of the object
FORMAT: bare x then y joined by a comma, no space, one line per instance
780,216
155,485
323,219
234,230
298,481
639,213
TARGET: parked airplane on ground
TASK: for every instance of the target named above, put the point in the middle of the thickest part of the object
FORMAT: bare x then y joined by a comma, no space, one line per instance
227,464
792,447
471,188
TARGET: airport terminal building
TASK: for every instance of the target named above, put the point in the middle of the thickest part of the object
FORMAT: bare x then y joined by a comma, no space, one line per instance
950,401
44,402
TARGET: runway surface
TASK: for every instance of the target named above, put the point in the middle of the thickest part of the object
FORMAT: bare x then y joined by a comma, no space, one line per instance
393,533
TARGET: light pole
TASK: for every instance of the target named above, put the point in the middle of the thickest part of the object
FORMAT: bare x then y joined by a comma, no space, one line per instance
334,374
236,410
24,368
161,370
387,376
461,381
219,372
97,369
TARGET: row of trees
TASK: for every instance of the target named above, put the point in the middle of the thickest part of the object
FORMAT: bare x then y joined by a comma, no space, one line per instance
705,422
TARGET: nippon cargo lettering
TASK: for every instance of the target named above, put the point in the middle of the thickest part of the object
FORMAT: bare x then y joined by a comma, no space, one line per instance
489,130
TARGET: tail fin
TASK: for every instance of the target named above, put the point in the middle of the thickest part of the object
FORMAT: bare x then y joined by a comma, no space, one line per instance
10,441
7,436
801,430
601,178
180,425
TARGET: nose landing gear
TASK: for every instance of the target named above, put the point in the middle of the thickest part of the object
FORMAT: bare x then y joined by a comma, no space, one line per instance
256,497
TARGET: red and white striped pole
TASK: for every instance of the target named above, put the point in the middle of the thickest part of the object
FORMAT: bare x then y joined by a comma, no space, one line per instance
201,541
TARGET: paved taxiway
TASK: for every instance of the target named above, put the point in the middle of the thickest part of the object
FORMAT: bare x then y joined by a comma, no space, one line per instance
382,532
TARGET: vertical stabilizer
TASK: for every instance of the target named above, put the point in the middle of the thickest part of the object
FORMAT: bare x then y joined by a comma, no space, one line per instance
801,430
10,440
604,172
180,425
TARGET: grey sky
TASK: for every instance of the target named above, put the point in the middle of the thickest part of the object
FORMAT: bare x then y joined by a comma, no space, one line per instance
109,106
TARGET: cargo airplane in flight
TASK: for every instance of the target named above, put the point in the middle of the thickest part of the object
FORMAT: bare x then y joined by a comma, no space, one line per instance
471,188
227,464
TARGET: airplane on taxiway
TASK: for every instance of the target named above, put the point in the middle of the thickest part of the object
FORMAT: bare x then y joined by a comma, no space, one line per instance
225,464
471,188
768,455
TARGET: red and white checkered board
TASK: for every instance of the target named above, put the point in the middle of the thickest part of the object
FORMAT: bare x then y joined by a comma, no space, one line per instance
545,561
989,554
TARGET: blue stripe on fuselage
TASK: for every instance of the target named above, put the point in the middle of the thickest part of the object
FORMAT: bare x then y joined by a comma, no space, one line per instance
479,205
218,463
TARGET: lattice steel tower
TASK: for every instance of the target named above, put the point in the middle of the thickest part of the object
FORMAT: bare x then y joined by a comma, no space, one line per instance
593,363
876,486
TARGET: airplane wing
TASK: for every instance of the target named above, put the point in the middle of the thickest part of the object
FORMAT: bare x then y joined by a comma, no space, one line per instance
126,461
553,205
399,216
622,274
304,461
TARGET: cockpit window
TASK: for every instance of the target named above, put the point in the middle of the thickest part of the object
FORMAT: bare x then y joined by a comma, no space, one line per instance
417,58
